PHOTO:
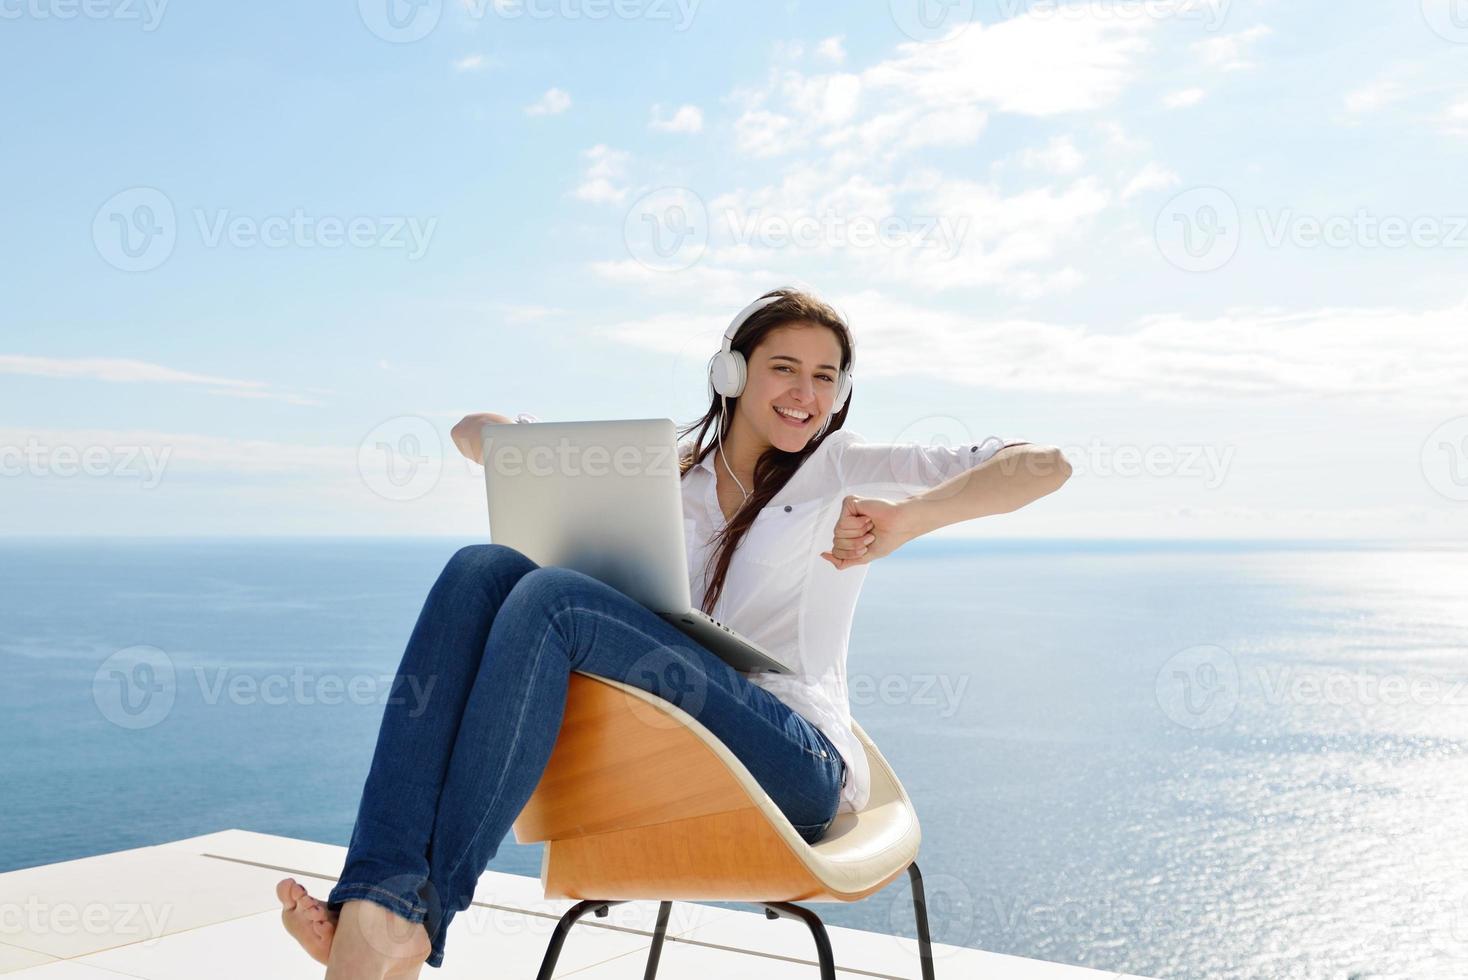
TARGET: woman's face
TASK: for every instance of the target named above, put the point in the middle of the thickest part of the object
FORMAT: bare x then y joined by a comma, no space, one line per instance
793,368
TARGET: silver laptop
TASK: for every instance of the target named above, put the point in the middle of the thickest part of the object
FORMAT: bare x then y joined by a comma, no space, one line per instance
604,498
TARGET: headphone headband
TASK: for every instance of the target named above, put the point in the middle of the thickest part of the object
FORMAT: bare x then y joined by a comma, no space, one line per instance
745,314
727,368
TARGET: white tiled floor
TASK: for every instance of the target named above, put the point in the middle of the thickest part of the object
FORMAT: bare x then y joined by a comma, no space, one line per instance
206,907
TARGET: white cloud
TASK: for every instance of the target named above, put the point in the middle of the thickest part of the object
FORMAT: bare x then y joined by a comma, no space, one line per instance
1184,98
127,371
686,119
1059,156
942,94
473,62
1454,119
1374,96
1229,53
831,49
601,182
703,283
552,103
1118,138
194,452
1151,177
1346,353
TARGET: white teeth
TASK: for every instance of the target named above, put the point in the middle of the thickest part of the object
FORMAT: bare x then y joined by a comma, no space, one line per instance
792,414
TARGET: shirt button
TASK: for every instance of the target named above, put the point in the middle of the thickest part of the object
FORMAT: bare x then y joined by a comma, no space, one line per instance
787,508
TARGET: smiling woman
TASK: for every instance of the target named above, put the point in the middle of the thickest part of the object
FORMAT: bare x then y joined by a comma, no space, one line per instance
784,560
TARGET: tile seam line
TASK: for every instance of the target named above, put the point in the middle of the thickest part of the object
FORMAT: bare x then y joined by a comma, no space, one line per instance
671,938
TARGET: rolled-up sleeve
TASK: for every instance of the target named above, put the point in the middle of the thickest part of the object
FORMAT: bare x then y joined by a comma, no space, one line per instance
907,468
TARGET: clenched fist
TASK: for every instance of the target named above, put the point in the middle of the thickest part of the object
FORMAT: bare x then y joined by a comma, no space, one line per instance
868,528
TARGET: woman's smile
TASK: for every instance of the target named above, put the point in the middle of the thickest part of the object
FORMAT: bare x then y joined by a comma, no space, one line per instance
796,423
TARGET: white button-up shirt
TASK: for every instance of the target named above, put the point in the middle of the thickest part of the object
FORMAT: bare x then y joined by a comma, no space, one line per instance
780,592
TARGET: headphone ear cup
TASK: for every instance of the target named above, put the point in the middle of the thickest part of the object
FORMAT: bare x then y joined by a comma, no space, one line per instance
726,373
843,391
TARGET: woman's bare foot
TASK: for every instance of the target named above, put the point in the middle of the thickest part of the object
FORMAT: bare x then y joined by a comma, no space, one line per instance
307,919
373,943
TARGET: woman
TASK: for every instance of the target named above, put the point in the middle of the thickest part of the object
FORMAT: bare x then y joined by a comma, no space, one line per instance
498,635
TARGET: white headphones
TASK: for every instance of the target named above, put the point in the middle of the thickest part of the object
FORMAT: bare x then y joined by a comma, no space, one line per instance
728,370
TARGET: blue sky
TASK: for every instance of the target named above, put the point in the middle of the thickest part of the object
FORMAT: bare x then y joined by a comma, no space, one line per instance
250,246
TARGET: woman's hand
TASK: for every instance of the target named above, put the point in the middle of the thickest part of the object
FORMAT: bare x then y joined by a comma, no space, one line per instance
869,528
466,434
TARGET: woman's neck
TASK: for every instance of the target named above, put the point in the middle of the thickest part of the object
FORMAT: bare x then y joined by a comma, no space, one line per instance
728,458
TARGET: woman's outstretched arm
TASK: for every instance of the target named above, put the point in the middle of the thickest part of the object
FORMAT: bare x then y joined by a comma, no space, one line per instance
467,435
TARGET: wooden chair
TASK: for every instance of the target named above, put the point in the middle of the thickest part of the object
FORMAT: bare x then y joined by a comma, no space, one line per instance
640,801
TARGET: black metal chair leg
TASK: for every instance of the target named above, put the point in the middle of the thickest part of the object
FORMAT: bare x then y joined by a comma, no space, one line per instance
558,937
920,910
817,928
657,941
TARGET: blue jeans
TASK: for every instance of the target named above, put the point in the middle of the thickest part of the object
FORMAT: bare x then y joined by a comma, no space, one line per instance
476,708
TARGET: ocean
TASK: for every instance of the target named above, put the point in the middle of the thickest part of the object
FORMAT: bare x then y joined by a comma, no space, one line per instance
1181,760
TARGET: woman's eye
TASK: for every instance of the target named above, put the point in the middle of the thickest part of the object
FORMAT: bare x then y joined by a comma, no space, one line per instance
786,367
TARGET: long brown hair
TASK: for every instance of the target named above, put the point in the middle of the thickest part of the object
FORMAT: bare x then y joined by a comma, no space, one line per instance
775,467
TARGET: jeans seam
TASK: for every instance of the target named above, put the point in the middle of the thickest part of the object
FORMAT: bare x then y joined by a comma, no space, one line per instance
519,724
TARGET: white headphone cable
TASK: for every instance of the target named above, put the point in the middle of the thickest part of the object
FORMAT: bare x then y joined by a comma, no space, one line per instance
724,411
